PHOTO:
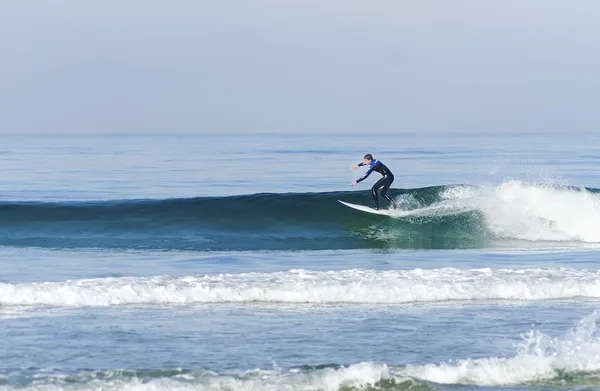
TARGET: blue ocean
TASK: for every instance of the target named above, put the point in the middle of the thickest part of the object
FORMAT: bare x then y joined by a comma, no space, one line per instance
226,262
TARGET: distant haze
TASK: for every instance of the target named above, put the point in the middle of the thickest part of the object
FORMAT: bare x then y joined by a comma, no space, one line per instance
194,66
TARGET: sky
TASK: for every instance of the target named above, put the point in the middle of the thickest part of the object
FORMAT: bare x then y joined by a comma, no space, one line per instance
199,66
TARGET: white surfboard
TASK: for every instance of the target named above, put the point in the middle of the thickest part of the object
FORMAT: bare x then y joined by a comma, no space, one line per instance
384,212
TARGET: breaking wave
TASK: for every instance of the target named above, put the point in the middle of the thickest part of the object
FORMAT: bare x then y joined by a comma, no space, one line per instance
304,286
443,217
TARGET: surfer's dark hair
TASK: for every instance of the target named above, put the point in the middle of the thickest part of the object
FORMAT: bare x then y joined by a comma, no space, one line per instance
368,156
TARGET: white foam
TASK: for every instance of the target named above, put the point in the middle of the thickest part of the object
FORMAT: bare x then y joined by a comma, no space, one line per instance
359,376
517,210
303,286
540,358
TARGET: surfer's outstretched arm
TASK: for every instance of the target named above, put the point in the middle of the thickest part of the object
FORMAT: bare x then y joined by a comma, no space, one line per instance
367,161
365,175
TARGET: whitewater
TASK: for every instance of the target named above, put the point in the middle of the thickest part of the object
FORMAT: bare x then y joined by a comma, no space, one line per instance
527,211
305,286
537,360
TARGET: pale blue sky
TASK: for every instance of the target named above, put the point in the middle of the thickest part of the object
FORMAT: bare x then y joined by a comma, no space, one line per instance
136,66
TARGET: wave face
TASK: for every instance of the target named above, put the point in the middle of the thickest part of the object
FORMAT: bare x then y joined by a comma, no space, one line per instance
302,286
435,217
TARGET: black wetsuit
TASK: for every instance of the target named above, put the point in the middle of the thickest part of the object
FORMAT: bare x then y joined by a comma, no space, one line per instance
383,184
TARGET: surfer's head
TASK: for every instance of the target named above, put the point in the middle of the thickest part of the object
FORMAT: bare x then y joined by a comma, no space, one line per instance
368,158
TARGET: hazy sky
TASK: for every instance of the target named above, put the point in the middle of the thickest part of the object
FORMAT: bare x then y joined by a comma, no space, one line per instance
132,66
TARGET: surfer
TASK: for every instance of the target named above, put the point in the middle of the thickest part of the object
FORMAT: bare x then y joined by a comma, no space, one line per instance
383,184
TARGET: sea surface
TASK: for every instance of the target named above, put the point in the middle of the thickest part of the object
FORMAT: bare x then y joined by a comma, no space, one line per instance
226,262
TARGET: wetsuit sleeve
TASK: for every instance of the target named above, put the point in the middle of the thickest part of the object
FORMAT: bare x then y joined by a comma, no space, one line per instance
361,164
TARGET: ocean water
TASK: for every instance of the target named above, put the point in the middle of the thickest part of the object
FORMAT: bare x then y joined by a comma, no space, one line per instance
225,262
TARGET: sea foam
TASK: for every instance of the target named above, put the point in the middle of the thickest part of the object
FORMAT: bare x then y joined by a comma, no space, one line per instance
305,286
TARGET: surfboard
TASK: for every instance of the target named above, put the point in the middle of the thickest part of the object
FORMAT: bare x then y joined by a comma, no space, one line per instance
383,212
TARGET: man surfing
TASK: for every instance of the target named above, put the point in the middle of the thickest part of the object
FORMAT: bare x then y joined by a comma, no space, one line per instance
383,184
